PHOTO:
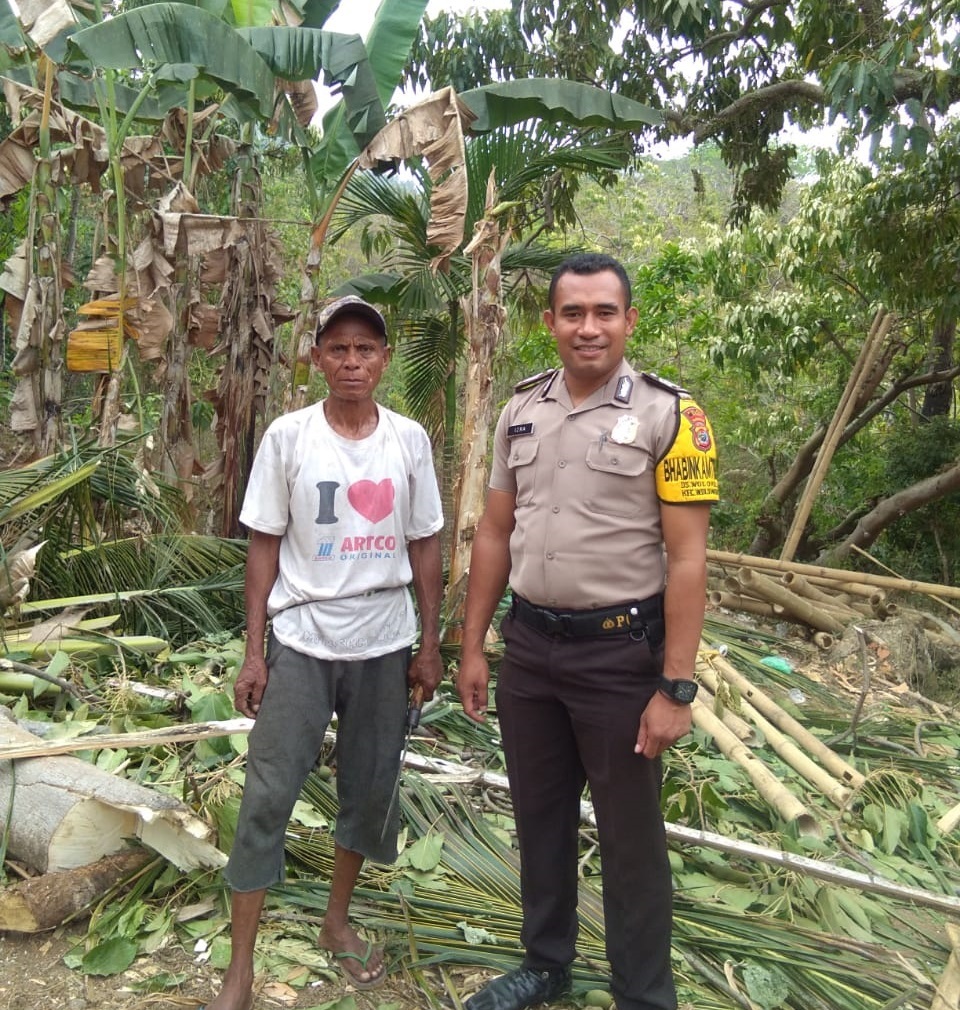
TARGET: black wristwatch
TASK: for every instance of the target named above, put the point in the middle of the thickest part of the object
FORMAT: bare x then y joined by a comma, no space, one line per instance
681,691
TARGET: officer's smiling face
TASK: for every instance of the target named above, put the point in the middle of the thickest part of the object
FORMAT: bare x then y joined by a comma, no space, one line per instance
590,321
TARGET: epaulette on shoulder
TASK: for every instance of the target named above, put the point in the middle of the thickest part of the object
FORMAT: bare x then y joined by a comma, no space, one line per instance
670,387
534,380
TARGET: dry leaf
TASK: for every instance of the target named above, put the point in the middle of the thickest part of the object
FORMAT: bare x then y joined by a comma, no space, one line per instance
432,129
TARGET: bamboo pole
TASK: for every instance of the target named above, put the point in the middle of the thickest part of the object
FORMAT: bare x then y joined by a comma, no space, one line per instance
740,728
785,722
767,784
737,601
882,322
855,589
802,586
835,791
949,821
835,574
761,585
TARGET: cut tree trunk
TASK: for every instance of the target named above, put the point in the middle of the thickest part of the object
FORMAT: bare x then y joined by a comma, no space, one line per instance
66,813
44,902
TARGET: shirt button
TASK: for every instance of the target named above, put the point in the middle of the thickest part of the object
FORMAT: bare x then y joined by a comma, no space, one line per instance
556,508
614,460
549,555
562,463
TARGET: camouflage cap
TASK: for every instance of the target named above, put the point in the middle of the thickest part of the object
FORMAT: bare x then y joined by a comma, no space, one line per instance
350,304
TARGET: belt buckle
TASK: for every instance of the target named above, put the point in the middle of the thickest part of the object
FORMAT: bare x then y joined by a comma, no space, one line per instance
556,624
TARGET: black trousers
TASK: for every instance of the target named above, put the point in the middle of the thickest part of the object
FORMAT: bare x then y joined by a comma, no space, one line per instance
569,710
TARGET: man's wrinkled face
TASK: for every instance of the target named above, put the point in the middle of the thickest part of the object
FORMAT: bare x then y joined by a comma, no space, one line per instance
352,355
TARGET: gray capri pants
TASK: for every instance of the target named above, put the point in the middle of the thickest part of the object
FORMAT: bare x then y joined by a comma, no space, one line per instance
370,700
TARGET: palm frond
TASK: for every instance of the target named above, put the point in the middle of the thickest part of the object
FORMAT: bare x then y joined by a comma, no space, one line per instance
179,587
427,358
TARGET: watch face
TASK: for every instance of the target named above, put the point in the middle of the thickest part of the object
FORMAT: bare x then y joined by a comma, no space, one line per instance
683,691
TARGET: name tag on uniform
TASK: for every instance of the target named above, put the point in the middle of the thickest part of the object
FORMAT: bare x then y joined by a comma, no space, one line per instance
520,429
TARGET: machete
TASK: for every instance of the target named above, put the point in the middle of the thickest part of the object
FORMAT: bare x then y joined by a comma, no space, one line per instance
413,720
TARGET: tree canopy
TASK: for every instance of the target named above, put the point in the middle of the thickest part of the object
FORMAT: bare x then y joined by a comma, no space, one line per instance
732,73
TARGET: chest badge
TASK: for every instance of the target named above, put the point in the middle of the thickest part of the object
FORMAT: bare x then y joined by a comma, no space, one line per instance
625,430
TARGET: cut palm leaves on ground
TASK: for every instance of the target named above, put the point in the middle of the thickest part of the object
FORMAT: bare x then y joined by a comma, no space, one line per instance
456,890
761,905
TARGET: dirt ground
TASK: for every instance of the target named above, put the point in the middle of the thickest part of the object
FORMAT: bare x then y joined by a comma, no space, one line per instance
33,976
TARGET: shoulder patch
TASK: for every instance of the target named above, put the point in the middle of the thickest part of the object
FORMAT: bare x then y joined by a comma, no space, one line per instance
670,387
534,380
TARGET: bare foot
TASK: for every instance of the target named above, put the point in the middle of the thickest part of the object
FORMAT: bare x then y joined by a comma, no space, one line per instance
361,961
236,993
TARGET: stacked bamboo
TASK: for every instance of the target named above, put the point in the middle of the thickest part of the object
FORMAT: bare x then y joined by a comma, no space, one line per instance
825,600
832,777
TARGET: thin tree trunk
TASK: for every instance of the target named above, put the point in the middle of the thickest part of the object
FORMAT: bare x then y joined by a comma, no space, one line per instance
938,396
484,317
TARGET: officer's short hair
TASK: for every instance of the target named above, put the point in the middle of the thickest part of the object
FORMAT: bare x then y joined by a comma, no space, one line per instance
584,264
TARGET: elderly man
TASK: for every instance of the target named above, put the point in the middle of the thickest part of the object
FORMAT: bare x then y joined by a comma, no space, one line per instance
344,511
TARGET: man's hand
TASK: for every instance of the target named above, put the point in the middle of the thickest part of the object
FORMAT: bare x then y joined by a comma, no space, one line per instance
662,724
426,670
472,679
249,687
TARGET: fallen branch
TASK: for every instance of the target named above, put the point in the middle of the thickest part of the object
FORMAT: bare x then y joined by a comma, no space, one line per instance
64,685
184,733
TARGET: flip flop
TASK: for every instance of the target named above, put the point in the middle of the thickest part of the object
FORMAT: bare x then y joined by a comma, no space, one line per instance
362,959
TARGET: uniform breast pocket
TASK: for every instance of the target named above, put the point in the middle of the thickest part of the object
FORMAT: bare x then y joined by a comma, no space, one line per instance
522,461
621,476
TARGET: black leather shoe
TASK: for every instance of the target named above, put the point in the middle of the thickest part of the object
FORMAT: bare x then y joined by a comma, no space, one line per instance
521,988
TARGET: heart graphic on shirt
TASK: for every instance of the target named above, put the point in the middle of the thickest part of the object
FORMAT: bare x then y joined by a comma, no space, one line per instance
373,501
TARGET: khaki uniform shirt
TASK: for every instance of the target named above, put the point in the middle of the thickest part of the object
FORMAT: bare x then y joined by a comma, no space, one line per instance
589,481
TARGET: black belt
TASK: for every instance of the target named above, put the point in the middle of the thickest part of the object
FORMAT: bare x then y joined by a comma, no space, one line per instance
640,618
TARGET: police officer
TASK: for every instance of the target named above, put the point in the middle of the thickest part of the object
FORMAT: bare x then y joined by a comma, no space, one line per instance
597,516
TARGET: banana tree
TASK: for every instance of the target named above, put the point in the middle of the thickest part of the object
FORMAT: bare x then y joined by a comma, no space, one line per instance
182,58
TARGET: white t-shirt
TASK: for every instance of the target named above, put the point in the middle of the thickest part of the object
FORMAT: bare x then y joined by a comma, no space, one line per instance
346,509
